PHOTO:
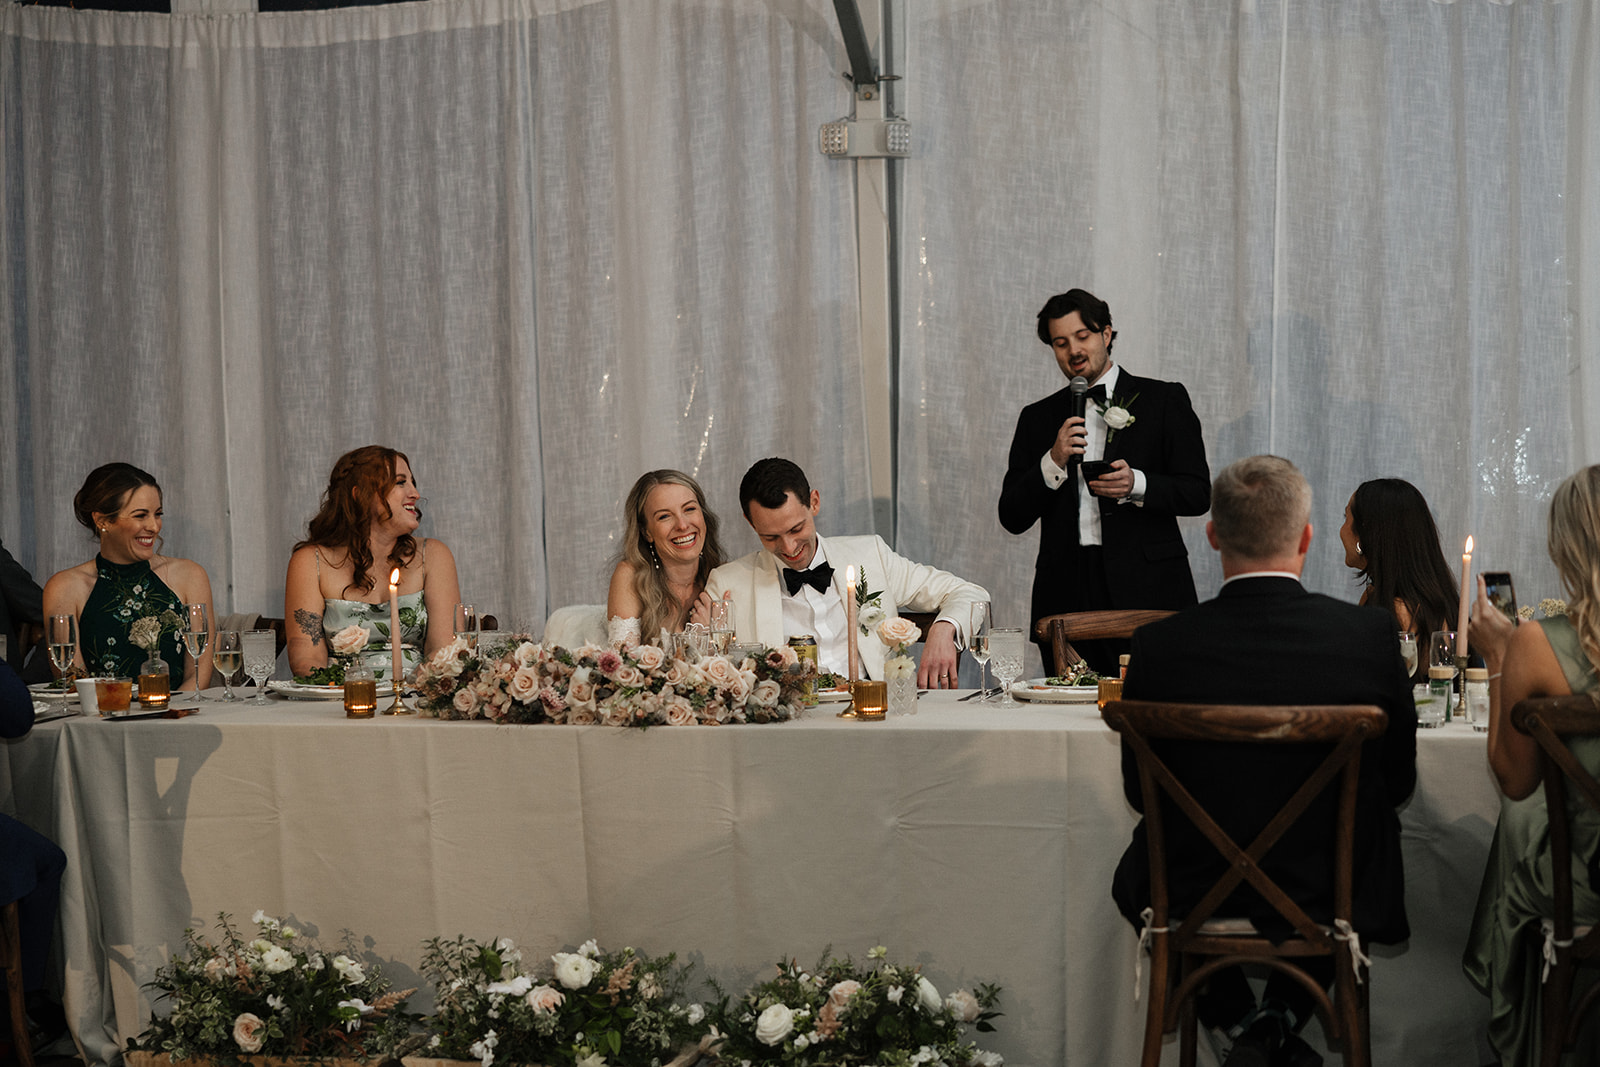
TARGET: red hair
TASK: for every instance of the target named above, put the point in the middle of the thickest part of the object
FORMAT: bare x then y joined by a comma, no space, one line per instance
357,489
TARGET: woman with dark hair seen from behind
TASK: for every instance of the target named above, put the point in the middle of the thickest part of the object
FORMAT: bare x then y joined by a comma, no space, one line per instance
669,546
128,579
1392,542
1554,657
339,575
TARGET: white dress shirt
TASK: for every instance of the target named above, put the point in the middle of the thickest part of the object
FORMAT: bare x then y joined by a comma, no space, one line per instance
821,615
1094,448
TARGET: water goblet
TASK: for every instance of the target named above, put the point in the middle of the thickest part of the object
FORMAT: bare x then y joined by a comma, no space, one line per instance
466,625
1005,654
978,645
1408,652
196,636
227,656
61,638
260,657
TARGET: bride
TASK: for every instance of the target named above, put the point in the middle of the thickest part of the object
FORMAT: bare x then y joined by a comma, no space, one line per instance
669,547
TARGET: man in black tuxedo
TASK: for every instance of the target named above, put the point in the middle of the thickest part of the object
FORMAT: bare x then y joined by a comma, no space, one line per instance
1111,541
1266,640
21,611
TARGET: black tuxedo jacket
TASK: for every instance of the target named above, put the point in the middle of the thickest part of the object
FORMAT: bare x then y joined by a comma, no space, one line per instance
21,601
1147,565
1268,641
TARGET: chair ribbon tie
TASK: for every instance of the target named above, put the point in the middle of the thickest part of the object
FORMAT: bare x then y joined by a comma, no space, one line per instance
1147,916
1549,951
1343,931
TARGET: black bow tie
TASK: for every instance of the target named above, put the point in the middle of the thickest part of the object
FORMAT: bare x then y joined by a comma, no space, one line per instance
819,578
1097,392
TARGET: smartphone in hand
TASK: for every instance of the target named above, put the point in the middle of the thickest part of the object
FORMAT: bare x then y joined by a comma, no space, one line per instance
1502,594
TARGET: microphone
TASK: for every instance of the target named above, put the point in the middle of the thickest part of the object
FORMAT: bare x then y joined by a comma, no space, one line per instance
1080,404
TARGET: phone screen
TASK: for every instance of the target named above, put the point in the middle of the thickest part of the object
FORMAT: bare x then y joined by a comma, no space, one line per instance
1502,594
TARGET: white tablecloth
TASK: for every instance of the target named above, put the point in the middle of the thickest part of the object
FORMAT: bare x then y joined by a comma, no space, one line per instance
975,841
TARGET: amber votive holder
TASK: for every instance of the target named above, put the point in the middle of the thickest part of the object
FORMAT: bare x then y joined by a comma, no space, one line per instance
869,700
1110,689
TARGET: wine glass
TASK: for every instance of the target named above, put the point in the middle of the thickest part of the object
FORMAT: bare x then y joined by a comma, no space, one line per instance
227,656
1442,650
196,636
1408,652
260,657
978,645
61,638
1005,652
721,626
466,625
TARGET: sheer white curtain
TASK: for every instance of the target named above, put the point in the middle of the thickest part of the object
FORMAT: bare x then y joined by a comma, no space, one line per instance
541,247
1347,228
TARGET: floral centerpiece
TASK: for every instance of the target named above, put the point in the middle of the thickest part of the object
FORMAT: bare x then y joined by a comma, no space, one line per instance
591,1008
641,686
842,1015
278,994
344,649
899,669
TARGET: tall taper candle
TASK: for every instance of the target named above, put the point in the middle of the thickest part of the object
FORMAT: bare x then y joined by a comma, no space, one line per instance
850,616
394,629
1466,584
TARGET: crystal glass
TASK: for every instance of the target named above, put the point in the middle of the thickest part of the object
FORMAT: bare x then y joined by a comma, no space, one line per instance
227,655
466,625
196,637
61,638
721,626
1005,654
260,657
978,644
694,643
1442,650
1408,652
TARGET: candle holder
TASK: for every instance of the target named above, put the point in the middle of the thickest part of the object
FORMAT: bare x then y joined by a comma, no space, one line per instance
869,700
397,706
1459,683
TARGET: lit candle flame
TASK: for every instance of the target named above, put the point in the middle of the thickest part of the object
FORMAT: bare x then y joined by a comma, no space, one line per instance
394,575
1468,549
850,575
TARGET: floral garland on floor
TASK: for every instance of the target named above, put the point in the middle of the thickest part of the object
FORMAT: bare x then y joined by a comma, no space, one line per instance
516,680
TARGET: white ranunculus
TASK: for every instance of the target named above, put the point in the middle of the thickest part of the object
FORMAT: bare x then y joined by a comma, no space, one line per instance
988,1059
517,987
899,667
894,994
276,960
963,1005
573,970
1117,418
696,1012
928,996
775,1024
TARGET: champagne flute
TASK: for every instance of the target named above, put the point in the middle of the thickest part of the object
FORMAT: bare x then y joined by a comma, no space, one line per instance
1442,650
227,656
978,645
260,657
1408,652
1005,651
721,626
61,638
466,625
196,636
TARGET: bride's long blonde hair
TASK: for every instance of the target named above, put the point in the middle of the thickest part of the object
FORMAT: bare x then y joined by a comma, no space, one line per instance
1575,550
657,609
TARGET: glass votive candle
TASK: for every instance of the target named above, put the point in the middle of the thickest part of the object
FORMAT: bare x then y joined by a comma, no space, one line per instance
360,692
869,700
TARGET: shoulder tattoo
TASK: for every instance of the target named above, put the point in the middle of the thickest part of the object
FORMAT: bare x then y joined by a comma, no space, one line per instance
310,624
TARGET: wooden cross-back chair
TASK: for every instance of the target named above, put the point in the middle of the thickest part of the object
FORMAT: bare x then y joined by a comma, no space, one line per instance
1202,942
1551,721
11,963
1059,631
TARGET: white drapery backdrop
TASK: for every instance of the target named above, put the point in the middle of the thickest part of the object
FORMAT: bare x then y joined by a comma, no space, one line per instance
1353,230
541,247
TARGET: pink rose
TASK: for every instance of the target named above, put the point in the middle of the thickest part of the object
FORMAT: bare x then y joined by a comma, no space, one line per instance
465,701
898,631
545,999
649,657
583,716
524,685
247,1032
766,693
841,993
963,1005
719,672
677,672
347,642
580,690
629,676
739,688
679,712
527,654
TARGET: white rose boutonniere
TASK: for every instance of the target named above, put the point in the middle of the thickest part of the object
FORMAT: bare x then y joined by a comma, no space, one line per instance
1116,414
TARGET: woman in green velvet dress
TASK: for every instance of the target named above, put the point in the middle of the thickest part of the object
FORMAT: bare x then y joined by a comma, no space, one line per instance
128,579
1554,657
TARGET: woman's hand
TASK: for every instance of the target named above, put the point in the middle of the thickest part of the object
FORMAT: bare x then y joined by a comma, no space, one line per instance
1489,631
700,612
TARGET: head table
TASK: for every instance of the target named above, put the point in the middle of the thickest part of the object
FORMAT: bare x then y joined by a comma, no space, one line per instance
976,841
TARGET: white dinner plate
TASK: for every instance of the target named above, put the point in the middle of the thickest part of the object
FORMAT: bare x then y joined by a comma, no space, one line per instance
298,691
832,696
48,691
1035,689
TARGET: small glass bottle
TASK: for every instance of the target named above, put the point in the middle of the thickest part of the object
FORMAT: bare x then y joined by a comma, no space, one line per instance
1436,710
1478,698
360,691
155,681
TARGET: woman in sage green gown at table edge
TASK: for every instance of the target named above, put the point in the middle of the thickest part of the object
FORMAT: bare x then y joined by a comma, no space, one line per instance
127,580
1555,657
363,530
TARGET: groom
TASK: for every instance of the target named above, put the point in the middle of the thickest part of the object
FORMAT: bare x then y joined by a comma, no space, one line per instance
796,584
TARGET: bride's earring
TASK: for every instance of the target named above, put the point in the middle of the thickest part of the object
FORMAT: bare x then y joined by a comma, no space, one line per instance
655,559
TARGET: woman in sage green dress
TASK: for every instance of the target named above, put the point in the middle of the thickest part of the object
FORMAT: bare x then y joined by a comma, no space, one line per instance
127,580
339,575
1555,657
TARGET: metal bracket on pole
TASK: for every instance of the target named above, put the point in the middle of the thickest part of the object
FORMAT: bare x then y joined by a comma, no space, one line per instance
863,69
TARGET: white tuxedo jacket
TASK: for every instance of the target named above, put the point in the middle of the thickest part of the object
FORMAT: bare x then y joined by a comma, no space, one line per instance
758,592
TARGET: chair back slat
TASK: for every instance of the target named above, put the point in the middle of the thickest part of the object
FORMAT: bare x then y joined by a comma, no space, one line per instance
1061,630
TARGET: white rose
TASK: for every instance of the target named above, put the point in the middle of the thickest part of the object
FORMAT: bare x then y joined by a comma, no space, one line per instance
766,693
695,1013
580,690
894,994
349,970
899,667
872,615
524,685
573,970
720,672
545,999
465,701
350,640
775,1024
898,631
679,712
1117,418
649,657
527,654
988,1059
582,715
517,987
928,996
276,960
259,917
216,969
963,1005
247,1032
